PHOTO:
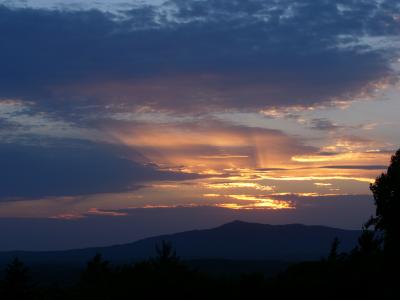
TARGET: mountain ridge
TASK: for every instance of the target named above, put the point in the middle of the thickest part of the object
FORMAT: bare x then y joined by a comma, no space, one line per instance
236,240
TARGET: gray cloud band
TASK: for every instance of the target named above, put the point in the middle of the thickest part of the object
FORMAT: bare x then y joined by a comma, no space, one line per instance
194,56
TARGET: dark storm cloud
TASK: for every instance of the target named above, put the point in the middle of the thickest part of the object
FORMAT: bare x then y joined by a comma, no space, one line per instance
194,55
72,168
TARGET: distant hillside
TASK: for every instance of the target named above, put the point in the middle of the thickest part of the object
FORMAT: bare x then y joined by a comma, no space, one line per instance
233,241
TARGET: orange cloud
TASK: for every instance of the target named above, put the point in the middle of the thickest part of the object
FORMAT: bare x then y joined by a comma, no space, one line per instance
208,146
252,202
100,212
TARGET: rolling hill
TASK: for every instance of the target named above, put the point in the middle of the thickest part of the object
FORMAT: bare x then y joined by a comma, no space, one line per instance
232,241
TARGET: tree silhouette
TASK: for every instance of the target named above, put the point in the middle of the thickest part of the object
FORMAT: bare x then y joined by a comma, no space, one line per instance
368,243
17,284
96,270
96,278
166,253
334,253
386,192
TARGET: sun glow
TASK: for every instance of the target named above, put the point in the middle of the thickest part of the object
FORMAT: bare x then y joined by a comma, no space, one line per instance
252,202
322,184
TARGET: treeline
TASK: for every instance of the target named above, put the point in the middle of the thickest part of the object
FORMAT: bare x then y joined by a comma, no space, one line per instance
360,274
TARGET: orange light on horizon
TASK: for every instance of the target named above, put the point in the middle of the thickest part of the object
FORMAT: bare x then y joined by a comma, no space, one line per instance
254,202
230,185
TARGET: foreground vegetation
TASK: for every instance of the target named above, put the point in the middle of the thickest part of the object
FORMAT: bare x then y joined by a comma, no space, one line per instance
361,274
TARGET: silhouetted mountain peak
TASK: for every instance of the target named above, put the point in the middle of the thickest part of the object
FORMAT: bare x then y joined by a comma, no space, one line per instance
236,223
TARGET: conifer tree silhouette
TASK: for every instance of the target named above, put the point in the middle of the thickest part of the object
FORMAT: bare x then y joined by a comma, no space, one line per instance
96,270
334,253
96,278
166,253
17,284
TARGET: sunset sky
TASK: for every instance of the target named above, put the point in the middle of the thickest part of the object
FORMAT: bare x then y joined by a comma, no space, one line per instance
122,119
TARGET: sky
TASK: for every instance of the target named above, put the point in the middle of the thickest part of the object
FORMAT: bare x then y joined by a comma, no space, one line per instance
125,119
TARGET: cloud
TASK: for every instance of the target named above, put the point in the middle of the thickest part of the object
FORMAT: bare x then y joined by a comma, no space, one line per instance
207,144
6,125
323,124
73,168
353,167
195,56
